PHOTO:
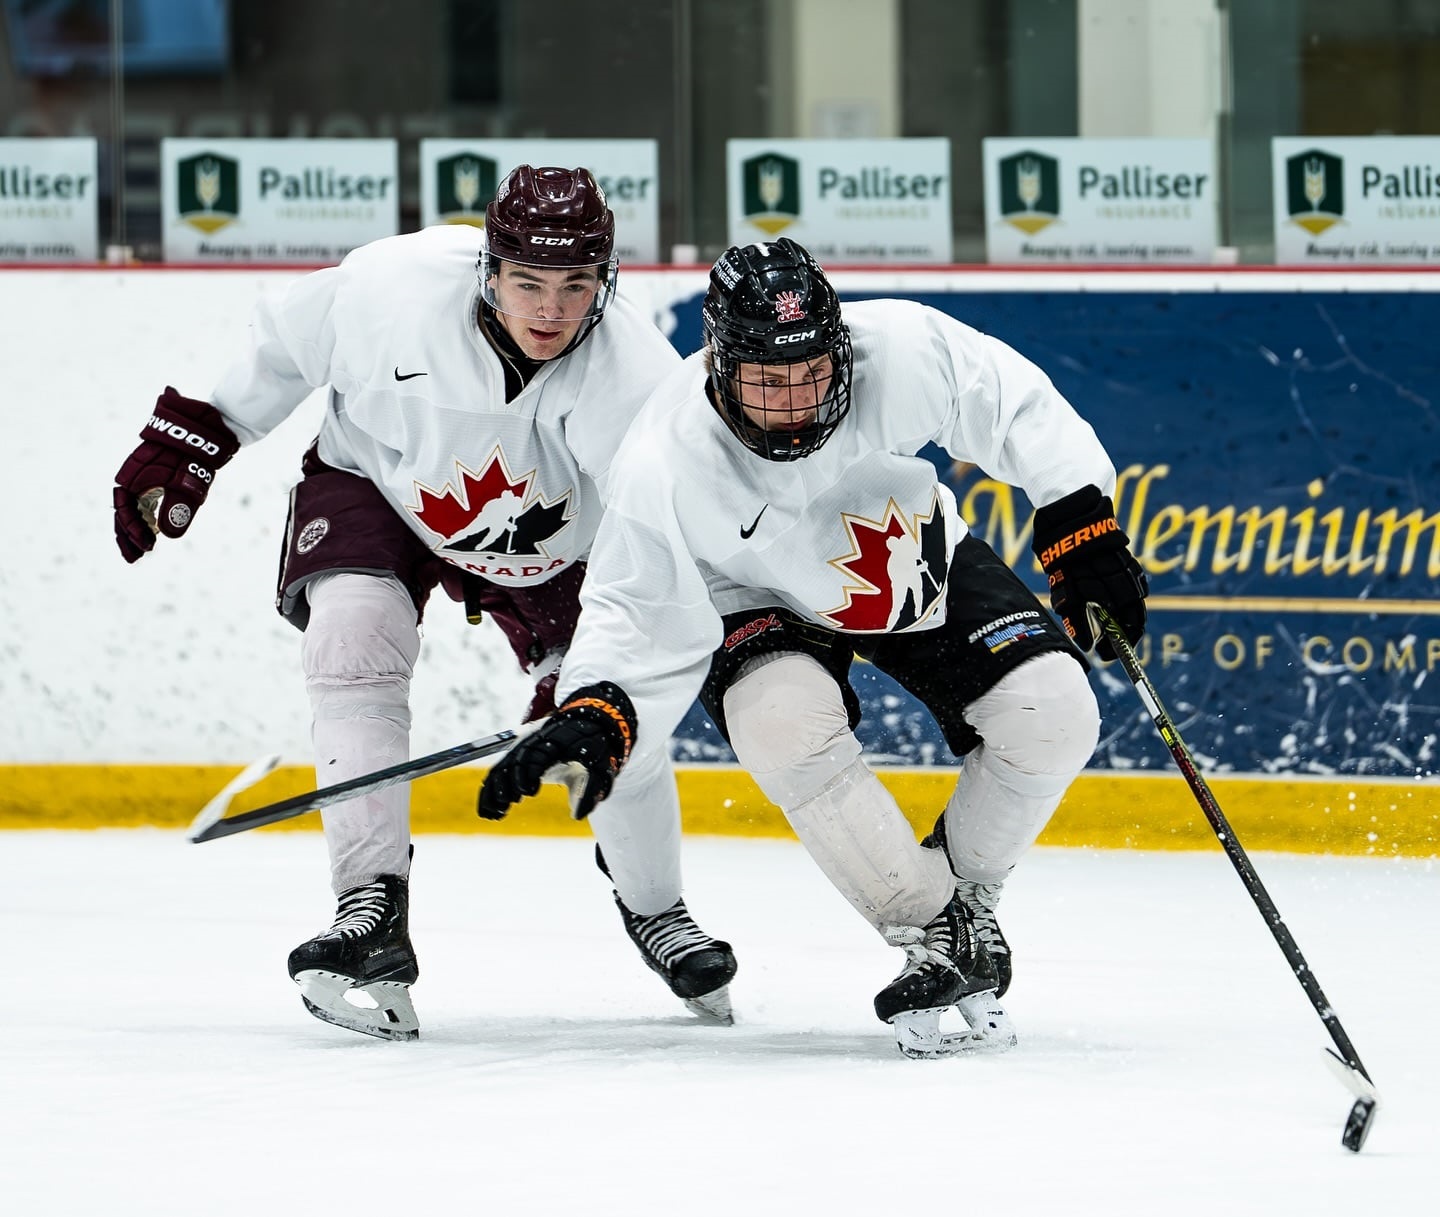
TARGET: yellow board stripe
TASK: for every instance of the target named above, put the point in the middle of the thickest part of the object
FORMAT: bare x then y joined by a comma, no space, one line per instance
1102,810
1292,604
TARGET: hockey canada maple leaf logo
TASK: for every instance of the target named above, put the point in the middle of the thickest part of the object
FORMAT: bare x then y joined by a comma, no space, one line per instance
490,512
896,566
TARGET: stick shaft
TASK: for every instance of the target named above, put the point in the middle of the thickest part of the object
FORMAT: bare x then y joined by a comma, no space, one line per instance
381,779
1228,840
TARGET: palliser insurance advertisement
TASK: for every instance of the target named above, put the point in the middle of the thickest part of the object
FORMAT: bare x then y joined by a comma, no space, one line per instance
1066,201
1350,202
276,200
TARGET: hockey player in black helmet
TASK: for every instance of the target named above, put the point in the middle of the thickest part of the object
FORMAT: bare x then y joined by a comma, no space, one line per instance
772,497
776,336
468,422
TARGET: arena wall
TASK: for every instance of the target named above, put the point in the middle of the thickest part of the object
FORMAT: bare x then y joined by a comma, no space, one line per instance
1277,441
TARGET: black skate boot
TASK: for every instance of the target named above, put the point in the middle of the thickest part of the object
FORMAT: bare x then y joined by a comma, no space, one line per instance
947,965
366,951
697,968
980,899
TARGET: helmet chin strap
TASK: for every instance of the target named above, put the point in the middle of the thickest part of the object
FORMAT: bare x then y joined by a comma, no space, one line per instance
504,342
520,369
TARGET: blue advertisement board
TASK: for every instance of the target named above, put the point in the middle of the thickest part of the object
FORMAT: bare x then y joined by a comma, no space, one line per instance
1279,478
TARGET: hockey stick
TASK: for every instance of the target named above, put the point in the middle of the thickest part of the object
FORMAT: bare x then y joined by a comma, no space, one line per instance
211,824
1346,1062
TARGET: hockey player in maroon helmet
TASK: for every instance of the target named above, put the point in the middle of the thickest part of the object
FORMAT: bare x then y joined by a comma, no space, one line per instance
773,498
548,266
470,423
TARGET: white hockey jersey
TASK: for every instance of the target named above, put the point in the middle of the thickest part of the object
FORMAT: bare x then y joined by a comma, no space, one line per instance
416,404
855,537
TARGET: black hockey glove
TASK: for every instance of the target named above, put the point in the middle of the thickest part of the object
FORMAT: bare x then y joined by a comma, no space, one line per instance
594,729
1087,558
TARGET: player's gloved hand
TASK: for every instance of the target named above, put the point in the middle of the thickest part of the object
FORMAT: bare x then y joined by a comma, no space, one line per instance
180,449
542,702
594,730
1087,558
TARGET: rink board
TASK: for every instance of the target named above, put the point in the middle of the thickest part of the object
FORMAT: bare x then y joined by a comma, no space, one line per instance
1278,445
1101,810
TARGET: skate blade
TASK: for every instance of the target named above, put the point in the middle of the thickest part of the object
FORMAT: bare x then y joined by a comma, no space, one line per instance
918,1034
331,998
713,1007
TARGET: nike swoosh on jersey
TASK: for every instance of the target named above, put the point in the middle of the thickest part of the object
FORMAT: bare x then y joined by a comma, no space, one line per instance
747,533
408,375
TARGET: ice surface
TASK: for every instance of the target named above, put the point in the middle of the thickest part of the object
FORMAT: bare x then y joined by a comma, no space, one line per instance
156,1059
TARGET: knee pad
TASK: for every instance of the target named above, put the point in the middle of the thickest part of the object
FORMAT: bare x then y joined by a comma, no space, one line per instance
788,726
859,837
358,653
1039,725
1040,722
360,646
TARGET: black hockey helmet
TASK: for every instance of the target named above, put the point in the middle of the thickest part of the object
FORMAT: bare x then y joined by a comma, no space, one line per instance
770,303
550,218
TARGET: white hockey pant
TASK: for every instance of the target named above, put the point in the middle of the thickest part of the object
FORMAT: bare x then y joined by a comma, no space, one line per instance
638,830
1039,724
789,728
358,653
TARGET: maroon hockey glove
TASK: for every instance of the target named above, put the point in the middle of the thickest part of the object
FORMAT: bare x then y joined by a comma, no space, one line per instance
1088,561
180,449
542,701
594,729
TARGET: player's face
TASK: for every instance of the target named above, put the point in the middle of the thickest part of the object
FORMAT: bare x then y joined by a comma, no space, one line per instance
542,309
784,396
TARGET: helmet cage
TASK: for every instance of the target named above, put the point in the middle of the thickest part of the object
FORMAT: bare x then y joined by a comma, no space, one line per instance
784,443
771,305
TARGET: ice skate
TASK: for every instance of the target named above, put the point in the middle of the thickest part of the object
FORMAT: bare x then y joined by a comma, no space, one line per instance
980,899
946,965
697,968
358,973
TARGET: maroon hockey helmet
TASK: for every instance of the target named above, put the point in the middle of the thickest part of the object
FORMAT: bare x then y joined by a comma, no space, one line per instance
550,217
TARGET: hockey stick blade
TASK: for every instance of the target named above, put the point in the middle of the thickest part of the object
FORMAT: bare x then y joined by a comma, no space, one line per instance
211,824
1367,1101
1352,1072
216,808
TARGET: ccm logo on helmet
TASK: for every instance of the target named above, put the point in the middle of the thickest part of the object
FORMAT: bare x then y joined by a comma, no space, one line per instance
802,336
189,438
552,240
